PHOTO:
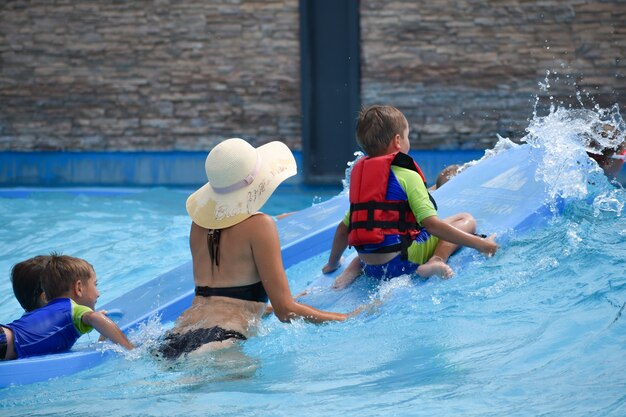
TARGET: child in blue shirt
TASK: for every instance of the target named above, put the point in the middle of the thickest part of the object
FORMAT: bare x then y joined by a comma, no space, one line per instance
70,286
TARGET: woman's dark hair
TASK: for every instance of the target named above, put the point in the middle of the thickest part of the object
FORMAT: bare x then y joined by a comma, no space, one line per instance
213,242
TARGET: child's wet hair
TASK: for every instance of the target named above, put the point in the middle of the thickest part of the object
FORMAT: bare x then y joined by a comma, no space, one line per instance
26,281
61,272
376,126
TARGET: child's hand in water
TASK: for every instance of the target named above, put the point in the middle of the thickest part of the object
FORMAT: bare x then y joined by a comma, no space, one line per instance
489,246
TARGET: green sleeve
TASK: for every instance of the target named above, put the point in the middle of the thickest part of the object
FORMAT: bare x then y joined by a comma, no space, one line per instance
77,317
415,189
346,218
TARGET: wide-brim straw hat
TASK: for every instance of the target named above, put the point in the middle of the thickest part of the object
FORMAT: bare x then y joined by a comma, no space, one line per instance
241,179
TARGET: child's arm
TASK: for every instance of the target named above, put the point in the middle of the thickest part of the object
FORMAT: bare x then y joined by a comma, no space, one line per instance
106,328
340,243
436,227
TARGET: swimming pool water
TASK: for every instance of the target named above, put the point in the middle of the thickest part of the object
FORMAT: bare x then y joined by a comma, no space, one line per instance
539,329
128,235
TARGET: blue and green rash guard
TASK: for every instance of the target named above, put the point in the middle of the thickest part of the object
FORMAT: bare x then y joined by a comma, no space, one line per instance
49,329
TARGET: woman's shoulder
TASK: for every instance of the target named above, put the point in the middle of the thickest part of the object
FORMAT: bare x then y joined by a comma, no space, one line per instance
260,220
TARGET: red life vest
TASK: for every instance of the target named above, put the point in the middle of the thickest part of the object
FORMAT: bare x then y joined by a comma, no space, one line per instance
372,216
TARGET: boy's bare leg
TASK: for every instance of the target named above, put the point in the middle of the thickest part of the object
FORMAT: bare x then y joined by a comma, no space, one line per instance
348,275
437,264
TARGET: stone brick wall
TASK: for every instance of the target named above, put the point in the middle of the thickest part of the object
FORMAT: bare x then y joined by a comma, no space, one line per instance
463,71
147,74
184,74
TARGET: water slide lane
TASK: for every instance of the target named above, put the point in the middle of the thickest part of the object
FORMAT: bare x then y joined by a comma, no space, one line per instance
501,192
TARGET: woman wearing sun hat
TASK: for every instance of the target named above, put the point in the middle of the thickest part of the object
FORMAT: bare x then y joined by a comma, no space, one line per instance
237,262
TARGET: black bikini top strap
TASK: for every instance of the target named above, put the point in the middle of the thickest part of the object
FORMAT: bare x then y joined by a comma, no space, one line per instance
252,292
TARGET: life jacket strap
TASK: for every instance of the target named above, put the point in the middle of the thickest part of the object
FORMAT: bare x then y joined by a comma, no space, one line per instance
379,224
402,207
385,249
403,246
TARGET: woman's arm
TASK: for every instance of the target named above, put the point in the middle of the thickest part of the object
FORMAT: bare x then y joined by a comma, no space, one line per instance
267,257
106,328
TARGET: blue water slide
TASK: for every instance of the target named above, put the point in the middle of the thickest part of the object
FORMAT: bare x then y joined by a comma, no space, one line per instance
501,192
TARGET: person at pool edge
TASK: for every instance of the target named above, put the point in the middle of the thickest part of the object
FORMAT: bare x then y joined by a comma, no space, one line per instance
235,249
70,285
392,221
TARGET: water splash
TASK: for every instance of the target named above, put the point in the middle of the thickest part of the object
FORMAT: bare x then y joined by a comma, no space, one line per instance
610,201
565,137
346,179
502,145
146,337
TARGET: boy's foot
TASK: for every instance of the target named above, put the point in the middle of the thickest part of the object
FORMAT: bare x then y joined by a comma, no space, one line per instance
348,275
342,282
435,266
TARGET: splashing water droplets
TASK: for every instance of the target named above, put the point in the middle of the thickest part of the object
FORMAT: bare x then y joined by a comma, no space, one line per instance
608,202
346,179
565,136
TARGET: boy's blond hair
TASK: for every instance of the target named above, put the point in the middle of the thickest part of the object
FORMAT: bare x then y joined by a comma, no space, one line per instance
61,272
376,126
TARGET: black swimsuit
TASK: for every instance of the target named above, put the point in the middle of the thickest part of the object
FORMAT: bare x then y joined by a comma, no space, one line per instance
252,292
176,344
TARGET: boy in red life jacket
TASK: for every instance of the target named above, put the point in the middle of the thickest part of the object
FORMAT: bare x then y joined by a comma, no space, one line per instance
392,221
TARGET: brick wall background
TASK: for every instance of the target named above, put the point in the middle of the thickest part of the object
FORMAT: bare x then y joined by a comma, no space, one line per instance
464,70
182,75
147,74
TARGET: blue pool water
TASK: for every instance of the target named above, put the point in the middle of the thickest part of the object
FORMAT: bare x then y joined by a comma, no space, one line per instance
539,329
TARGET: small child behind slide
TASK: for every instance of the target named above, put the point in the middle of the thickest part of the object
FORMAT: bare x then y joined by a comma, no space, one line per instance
70,286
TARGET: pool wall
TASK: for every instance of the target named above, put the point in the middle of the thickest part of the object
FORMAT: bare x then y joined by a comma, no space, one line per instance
148,169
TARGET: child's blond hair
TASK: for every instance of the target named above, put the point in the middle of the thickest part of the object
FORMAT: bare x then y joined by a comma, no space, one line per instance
61,272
